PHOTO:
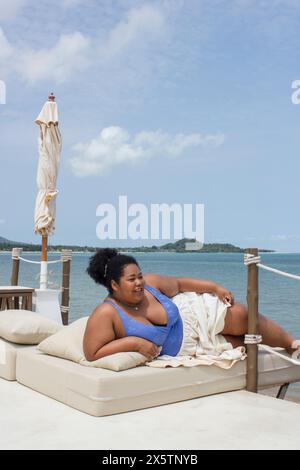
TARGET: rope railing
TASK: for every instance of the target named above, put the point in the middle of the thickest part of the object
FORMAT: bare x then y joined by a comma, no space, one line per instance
291,359
38,262
65,256
251,259
252,339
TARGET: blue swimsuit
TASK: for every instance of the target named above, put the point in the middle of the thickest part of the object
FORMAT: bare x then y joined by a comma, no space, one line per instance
168,336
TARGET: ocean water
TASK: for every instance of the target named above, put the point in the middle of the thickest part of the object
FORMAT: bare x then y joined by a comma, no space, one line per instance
279,297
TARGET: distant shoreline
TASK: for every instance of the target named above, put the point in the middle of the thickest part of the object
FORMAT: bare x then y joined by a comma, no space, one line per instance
172,247
8,252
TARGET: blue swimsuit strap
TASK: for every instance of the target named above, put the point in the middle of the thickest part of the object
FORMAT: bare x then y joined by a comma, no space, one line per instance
153,291
156,293
167,303
162,298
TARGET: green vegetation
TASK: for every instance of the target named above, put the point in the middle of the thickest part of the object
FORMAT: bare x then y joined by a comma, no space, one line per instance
176,247
179,247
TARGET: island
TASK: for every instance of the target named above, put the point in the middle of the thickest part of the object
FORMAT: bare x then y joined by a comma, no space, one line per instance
175,247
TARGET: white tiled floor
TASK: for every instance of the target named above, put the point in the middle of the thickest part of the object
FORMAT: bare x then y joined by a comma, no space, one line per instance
234,420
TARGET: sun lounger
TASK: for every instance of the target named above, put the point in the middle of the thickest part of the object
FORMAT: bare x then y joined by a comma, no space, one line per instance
101,392
8,356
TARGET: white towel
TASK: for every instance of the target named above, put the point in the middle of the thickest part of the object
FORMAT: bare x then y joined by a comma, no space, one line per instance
203,317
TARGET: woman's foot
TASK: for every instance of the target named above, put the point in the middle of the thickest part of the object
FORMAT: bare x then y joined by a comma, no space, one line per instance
294,349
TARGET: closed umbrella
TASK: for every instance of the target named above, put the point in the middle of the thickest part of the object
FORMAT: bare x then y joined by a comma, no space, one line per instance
49,157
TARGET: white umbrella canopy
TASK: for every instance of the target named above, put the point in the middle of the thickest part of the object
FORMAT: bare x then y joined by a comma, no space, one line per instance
49,157
48,165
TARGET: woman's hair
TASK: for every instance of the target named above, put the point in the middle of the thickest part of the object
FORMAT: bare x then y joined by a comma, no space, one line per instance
107,265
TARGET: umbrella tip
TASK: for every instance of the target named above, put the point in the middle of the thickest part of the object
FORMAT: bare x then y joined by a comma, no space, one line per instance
51,97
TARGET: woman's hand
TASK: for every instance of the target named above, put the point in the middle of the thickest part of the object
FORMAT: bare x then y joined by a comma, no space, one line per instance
147,348
224,295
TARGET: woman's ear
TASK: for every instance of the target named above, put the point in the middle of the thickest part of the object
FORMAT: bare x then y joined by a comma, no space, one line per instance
114,285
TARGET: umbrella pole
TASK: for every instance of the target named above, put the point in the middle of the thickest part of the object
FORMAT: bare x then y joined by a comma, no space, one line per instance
43,277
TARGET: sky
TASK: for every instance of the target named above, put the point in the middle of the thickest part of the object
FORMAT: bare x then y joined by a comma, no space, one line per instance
164,102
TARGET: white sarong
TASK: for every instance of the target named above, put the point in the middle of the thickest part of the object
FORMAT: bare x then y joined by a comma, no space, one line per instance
203,317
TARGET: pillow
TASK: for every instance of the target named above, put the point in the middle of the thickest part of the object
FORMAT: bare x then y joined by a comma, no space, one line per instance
68,344
26,327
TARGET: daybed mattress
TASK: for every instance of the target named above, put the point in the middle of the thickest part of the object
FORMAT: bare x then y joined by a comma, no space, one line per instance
101,392
8,356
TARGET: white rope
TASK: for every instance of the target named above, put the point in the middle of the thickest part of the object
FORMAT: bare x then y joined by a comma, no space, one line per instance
66,255
282,273
64,309
37,262
252,339
251,259
27,260
16,253
283,356
62,260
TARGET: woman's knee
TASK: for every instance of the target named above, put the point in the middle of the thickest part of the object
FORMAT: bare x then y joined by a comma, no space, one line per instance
236,320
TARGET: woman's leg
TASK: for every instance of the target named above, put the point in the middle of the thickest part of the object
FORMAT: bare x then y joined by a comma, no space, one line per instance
235,340
236,324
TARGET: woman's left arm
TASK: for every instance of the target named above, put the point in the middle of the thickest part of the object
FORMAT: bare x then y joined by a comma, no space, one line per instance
171,286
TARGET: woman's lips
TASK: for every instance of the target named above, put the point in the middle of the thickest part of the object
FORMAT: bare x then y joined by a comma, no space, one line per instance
138,291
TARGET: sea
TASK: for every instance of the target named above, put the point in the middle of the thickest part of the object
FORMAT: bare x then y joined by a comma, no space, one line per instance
279,297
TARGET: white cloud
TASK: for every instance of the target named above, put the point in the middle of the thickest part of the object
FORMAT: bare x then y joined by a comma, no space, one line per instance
6,56
282,237
10,8
65,58
6,50
75,51
71,3
141,25
114,146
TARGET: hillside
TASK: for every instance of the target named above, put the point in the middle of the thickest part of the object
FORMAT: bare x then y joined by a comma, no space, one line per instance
177,247
4,240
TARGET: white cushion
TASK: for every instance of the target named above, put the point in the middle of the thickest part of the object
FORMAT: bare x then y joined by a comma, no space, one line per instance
101,392
68,344
8,356
26,327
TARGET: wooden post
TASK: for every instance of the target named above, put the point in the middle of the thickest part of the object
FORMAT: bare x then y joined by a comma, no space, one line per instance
44,267
44,247
15,254
66,257
252,301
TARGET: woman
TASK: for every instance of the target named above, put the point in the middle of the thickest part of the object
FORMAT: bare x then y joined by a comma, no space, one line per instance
139,315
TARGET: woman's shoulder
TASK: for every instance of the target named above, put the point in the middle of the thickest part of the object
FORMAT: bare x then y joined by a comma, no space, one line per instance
152,280
166,284
103,310
99,327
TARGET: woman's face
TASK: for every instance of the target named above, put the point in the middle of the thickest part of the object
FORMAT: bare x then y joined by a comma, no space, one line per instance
131,284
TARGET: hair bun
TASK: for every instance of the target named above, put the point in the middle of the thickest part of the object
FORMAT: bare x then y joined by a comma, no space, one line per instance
108,253
102,271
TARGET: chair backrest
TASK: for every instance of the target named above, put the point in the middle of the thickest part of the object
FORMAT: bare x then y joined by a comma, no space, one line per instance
15,297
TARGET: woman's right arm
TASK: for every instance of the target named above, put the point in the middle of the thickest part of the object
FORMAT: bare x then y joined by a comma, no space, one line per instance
100,339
